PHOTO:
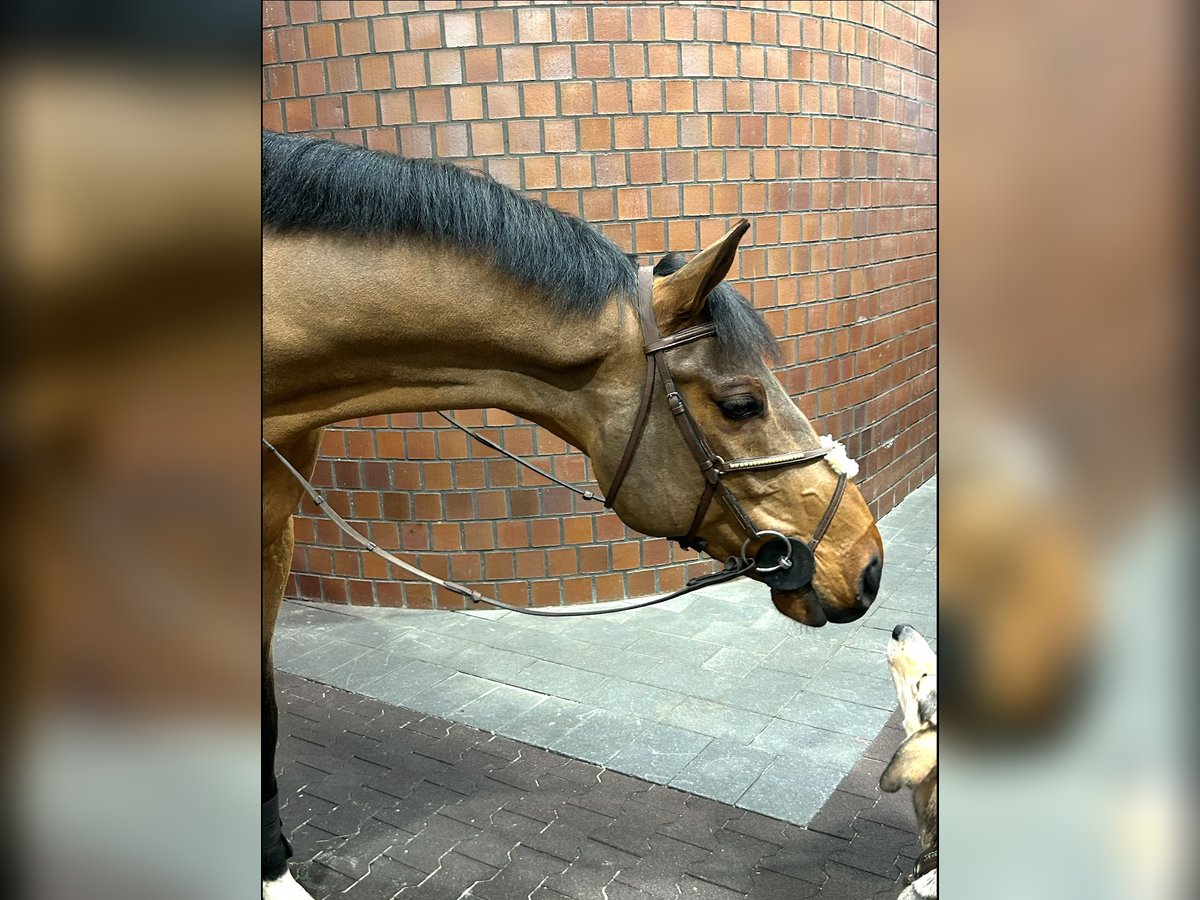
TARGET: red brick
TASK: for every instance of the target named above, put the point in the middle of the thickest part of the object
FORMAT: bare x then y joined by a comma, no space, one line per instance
554,62
539,99
611,23
424,32
274,13
593,61
389,34
310,79
576,97
570,24
322,41
343,75
430,105
487,138
460,29
481,65
355,38
466,103
533,25
664,60
629,61
334,9
646,23
361,110
517,63
298,114
503,101
445,67
375,72
647,96
679,23
497,26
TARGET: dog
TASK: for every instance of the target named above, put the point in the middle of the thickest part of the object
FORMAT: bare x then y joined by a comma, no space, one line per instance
913,665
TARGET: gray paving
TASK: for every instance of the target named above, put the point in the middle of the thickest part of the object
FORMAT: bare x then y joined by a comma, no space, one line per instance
715,693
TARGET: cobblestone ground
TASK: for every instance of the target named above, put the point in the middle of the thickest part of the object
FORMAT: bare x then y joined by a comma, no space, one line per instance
381,801
706,748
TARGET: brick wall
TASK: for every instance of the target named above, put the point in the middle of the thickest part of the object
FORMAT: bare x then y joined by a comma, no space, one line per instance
659,123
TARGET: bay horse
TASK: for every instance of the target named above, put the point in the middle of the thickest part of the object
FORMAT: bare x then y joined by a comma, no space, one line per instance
399,285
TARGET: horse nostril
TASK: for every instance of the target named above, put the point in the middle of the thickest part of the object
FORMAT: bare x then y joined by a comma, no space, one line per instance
870,580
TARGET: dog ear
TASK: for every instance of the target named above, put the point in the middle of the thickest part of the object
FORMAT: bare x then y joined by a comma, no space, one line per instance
914,760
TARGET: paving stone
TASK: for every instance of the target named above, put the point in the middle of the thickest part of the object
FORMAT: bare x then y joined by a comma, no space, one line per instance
837,816
863,778
723,770
773,886
844,881
430,647
488,662
599,630
644,701
368,632
625,664
725,633
804,744
600,736
357,673
383,881
716,719
548,721
868,690
790,791
401,685
715,607
494,710
733,661
674,647
526,871
558,680
834,714
764,691
671,620
594,866
660,752
690,680
886,743
876,848
895,810
320,660
803,857
450,695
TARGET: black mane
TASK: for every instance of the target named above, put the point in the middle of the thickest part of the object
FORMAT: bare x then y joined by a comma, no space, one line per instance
311,185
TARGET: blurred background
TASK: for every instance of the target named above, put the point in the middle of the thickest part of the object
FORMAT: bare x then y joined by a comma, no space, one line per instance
130,238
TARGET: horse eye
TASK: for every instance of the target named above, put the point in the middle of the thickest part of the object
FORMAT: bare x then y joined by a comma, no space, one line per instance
740,407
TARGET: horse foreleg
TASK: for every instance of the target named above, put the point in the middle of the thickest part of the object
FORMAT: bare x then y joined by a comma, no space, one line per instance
278,883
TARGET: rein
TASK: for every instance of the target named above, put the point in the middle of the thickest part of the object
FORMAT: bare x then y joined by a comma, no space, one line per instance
784,562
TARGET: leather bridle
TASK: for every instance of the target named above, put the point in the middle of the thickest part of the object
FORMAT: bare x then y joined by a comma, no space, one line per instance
783,562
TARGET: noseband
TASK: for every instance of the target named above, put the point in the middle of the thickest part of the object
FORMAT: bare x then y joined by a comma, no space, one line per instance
783,562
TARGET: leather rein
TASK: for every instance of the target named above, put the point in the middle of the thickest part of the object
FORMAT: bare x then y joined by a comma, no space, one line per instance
783,562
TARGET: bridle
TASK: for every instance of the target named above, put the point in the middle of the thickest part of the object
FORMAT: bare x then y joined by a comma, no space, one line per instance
782,562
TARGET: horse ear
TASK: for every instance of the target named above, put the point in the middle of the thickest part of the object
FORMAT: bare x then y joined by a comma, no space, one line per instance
914,760
679,297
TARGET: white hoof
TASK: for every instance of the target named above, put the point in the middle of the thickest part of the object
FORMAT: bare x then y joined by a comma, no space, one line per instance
284,888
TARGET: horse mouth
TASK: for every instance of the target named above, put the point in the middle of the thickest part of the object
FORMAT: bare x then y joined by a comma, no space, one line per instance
801,605
806,607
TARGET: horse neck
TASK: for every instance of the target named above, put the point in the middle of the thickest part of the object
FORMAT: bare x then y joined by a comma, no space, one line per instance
353,328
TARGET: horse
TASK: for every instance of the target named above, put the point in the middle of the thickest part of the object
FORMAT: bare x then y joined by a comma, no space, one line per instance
401,285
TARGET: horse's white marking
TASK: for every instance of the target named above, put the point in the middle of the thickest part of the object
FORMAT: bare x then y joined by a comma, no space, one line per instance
284,888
